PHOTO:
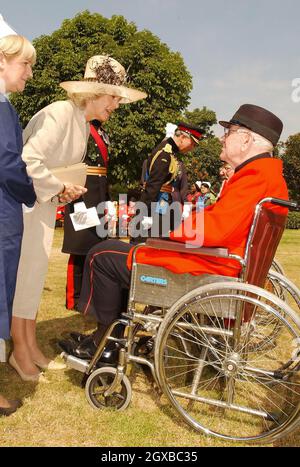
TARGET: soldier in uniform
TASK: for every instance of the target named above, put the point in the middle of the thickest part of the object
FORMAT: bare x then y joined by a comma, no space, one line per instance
77,244
165,183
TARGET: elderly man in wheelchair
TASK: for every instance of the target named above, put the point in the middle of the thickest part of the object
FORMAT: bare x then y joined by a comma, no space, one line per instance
223,350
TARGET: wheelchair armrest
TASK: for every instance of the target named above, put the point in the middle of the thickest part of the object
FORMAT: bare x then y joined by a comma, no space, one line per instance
291,205
169,245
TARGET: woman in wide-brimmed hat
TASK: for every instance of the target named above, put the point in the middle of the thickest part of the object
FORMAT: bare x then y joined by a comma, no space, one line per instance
57,137
17,55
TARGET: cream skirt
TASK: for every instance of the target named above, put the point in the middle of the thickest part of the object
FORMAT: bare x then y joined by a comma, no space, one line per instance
37,241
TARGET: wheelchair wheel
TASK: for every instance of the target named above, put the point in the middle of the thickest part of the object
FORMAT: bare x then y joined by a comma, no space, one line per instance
224,381
276,266
285,289
99,381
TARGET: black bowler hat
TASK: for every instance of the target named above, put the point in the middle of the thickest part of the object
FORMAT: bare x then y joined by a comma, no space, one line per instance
259,120
193,131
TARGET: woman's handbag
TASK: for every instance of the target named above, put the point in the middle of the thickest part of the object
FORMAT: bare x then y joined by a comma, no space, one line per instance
75,174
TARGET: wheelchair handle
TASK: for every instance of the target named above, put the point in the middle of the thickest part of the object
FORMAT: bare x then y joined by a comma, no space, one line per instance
292,205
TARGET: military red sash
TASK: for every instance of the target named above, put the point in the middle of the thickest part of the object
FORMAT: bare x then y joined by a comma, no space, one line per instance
100,143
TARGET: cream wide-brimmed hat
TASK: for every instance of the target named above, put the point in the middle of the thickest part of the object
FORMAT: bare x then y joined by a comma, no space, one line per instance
104,75
5,30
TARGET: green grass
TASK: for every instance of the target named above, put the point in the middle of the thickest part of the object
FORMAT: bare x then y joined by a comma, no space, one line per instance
58,414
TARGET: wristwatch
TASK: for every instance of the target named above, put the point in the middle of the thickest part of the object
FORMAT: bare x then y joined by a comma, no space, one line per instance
56,198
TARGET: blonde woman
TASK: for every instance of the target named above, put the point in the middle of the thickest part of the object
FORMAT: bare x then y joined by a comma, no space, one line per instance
55,137
17,56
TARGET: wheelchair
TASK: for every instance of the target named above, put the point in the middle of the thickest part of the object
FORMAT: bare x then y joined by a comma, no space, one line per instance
280,285
224,351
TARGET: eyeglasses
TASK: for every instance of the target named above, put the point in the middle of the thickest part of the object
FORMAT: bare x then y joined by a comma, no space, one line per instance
228,131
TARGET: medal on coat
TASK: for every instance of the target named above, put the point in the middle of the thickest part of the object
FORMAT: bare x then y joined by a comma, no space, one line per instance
104,136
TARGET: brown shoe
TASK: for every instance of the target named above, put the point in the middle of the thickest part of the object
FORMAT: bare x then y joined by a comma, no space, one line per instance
13,407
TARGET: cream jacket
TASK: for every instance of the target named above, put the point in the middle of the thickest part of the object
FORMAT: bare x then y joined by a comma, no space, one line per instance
55,137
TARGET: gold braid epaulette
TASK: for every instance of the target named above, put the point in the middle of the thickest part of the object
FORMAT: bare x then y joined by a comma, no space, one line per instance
173,167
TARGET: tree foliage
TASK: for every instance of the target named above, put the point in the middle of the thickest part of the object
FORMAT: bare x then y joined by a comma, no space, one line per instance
136,128
203,118
291,164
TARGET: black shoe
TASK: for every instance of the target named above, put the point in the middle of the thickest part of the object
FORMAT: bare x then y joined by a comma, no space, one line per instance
109,355
14,405
67,346
85,350
78,337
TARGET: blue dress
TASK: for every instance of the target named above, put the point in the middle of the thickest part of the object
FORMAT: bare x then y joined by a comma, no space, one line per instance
15,188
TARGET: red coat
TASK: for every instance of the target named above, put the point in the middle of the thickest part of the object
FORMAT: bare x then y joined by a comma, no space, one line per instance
226,223
193,198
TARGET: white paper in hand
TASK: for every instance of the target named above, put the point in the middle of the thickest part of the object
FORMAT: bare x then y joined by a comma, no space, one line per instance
84,218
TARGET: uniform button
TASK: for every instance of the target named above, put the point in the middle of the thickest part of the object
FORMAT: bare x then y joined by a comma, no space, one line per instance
95,145
99,165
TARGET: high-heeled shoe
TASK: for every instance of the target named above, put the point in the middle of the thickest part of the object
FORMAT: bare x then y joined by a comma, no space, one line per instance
38,378
52,365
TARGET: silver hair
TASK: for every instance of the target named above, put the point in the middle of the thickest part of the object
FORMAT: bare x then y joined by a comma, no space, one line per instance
261,141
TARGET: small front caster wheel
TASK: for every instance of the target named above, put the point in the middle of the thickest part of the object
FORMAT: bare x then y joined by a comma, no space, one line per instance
99,381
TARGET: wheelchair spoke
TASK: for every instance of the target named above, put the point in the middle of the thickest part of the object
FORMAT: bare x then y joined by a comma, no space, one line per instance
206,342
267,381
270,399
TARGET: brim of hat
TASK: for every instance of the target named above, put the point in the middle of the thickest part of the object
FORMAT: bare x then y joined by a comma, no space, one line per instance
197,141
127,95
225,124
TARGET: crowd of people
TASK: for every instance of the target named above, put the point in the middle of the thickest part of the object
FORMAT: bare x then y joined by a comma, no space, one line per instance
67,133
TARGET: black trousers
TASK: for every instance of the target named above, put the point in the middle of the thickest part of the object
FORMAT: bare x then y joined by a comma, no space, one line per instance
106,280
74,280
